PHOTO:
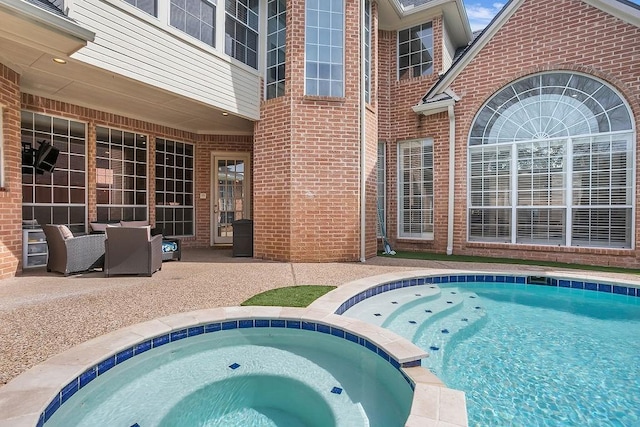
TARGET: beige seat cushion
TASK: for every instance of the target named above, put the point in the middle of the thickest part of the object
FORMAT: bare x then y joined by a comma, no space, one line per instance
134,223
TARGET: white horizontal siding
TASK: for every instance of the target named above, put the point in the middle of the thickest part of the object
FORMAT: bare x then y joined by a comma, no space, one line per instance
132,47
448,50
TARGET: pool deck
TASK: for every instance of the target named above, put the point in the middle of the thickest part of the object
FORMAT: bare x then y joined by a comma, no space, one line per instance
43,314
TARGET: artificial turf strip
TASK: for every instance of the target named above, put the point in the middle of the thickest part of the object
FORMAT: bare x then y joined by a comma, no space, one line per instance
478,259
292,296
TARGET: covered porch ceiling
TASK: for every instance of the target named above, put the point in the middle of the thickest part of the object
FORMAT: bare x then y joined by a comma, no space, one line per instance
30,38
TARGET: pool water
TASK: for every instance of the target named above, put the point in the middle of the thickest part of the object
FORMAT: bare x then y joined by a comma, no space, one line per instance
245,377
527,355
558,356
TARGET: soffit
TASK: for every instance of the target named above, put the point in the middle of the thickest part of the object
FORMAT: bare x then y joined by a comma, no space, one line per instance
399,14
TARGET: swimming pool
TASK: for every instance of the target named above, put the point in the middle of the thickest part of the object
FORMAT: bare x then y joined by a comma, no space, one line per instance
259,365
525,354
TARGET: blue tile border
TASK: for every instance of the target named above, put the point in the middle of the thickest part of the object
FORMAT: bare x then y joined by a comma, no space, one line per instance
486,278
105,365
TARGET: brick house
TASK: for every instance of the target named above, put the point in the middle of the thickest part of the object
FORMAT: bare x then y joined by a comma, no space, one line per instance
327,122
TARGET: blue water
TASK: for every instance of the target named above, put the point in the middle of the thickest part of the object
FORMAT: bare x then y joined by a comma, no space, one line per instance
549,357
267,377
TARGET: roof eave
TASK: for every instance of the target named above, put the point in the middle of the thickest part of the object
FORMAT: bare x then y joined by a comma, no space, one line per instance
59,24
433,107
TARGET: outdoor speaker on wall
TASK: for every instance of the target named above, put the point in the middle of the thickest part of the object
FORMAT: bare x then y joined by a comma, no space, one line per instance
46,157
43,159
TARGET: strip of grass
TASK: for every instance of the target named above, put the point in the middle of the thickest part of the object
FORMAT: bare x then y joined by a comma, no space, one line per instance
480,259
293,296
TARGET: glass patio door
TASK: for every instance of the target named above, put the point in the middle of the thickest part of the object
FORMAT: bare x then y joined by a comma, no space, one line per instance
230,196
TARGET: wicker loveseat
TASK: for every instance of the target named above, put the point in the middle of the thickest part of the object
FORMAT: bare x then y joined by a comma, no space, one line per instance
70,254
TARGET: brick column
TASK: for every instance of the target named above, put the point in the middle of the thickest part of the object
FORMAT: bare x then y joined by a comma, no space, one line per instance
307,160
11,191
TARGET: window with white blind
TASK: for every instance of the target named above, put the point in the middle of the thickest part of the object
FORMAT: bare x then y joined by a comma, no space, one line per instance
415,189
551,163
381,188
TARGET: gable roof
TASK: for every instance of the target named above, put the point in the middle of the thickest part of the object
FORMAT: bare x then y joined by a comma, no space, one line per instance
622,9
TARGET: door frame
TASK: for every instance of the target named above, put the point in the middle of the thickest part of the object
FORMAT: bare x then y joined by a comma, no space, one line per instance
213,166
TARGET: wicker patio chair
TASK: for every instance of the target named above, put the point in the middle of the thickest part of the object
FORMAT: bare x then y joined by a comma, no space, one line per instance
132,250
70,254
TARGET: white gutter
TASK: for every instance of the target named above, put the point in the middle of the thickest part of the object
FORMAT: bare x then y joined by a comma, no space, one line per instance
45,18
452,175
363,148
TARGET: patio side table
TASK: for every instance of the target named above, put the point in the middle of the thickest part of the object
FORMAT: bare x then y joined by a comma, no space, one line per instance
171,250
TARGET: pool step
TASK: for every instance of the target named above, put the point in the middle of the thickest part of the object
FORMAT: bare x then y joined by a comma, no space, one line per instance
380,308
440,336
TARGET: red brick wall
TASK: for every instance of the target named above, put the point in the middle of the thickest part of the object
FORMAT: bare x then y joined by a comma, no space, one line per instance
399,123
542,35
11,190
313,145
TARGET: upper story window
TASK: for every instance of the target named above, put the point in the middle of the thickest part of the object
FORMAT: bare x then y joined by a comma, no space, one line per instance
149,6
241,30
552,162
195,17
367,51
324,48
415,51
276,38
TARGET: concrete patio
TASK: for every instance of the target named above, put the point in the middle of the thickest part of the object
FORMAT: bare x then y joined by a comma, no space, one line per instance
42,314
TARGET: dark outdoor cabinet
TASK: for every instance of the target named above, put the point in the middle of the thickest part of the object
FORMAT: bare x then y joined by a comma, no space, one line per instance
243,237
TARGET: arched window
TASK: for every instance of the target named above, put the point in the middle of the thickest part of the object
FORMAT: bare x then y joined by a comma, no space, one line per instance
551,162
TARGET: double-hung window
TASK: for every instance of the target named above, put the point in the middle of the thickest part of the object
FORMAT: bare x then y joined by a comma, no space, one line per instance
148,6
241,30
415,189
196,18
415,51
324,48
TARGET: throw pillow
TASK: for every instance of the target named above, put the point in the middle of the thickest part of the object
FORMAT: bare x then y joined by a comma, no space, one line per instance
98,227
66,233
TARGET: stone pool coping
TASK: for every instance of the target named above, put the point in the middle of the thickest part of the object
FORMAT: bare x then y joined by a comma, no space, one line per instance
23,400
433,402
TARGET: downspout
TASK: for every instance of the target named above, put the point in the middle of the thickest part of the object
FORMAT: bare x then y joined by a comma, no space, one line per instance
452,174
363,148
